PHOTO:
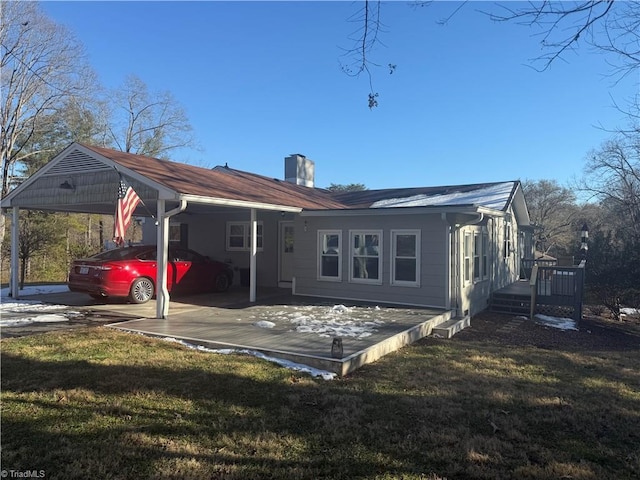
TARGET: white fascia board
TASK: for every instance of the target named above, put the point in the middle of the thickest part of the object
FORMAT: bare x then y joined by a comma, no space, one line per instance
520,209
469,209
491,212
226,202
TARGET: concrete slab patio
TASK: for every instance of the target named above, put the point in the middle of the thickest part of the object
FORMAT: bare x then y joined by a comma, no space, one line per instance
299,329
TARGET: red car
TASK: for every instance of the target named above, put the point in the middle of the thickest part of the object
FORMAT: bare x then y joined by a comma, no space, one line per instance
131,272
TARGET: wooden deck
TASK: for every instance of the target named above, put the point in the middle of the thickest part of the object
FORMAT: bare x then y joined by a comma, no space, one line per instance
558,290
521,287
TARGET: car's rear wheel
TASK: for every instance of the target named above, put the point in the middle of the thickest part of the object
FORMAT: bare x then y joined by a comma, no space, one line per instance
222,283
142,290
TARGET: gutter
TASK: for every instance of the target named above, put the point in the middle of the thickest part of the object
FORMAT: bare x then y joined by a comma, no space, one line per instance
226,202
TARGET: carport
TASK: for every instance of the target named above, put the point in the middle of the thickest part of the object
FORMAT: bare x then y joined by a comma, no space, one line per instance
85,179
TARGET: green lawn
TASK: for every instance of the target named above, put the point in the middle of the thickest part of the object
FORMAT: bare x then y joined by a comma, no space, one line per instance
97,403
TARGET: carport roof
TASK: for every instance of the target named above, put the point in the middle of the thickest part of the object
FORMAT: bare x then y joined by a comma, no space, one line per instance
221,182
84,178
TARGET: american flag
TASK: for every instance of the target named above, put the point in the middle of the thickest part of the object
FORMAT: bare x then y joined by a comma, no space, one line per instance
128,200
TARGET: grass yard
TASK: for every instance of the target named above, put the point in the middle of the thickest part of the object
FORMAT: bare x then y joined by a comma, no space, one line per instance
97,403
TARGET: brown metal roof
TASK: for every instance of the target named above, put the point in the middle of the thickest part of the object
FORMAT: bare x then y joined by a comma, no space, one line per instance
222,182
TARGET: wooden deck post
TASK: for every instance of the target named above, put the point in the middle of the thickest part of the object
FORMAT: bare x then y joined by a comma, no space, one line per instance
533,285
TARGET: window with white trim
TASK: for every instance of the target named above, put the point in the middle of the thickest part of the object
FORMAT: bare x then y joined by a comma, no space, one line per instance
239,236
507,239
405,258
330,255
476,256
467,256
485,254
366,256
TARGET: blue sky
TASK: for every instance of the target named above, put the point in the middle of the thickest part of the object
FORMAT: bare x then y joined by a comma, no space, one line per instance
262,80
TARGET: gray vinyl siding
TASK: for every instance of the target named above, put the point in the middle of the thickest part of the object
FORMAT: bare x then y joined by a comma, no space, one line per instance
207,235
503,270
433,271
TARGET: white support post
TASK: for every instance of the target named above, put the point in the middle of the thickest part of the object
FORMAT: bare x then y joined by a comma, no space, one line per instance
15,261
162,294
254,252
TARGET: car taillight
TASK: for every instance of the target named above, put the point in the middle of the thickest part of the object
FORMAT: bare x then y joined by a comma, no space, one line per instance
108,267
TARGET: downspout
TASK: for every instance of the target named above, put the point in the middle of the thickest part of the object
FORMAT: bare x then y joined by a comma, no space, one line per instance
162,295
253,256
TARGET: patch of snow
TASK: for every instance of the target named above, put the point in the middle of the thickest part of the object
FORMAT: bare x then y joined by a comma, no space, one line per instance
340,309
333,321
22,321
264,324
630,311
23,312
17,306
299,367
556,322
493,196
35,290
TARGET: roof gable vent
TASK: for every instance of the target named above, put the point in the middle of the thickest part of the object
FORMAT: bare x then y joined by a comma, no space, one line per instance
75,162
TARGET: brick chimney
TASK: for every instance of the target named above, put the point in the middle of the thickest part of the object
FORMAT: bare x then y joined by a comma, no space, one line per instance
299,169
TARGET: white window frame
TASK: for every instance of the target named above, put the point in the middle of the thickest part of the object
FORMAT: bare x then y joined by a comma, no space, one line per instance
246,230
476,252
485,258
467,266
321,254
507,240
394,257
369,281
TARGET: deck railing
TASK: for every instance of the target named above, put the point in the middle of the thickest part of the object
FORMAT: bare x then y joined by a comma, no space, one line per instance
558,286
527,265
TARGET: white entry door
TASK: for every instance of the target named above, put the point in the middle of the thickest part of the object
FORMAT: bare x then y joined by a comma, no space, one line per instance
286,254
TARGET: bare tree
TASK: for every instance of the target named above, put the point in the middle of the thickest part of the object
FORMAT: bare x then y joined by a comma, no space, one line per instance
38,232
612,175
41,68
365,38
552,209
610,26
147,123
350,187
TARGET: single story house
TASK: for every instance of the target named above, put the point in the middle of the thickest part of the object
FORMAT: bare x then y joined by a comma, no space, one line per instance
448,247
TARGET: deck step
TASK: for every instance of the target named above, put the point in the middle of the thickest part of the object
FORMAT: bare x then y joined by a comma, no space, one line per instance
449,328
510,303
